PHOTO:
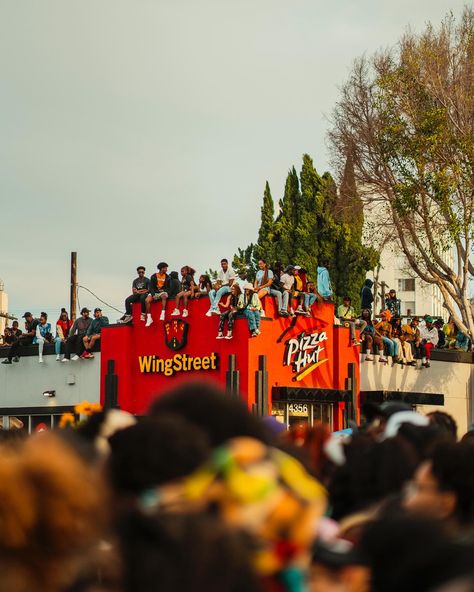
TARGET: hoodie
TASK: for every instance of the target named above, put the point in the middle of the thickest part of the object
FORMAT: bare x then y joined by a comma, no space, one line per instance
324,282
366,295
174,285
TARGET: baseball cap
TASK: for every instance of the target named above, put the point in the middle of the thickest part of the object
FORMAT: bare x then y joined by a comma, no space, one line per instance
84,310
27,314
428,319
297,267
248,286
97,309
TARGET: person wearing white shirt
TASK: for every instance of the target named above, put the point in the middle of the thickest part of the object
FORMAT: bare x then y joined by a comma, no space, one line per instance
429,338
287,280
227,276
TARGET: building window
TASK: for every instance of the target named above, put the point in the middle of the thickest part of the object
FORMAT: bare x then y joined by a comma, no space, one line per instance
406,285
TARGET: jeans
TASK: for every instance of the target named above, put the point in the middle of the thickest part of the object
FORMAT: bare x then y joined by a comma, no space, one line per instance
285,298
134,298
253,319
74,344
15,348
391,345
57,345
361,325
214,296
277,294
309,300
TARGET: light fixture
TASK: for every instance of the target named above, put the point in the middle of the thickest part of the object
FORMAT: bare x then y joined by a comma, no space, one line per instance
49,394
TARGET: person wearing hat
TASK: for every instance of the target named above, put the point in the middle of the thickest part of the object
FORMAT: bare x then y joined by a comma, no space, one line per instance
93,333
392,303
384,329
159,290
429,338
74,342
26,338
249,304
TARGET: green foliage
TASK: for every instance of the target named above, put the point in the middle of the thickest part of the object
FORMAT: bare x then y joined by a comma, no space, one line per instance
314,222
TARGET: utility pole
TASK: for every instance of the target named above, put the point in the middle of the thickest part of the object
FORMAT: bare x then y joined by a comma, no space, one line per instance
73,295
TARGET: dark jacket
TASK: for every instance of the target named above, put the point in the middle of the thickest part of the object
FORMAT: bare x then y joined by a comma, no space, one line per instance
154,285
366,295
174,285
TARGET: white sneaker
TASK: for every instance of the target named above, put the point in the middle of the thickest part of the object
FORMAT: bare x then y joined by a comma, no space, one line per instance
185,312
214,311
162,315
299,310
220,336
209,313
257,331
228,336
175,313
58,357
40,359
149,320
74,358
262,313
369,359
65,360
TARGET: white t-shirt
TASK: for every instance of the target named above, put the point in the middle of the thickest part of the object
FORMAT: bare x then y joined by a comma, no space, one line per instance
260,274
287,281
431,335
226,276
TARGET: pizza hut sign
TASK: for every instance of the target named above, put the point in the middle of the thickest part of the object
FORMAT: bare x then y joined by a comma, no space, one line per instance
304,353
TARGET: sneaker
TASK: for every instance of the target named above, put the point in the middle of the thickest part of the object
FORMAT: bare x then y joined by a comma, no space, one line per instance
84,355
126,318
7,361
209,313
254,334
64,360
40,360
149,321
383,360
58,357
355,343
185,313
142,316
220,336
412,363
300,310
257,331
175,313
16,359
162,315
283,313
229,335
307,314
426,365
291,312
369,359
214,311
262,313
74,358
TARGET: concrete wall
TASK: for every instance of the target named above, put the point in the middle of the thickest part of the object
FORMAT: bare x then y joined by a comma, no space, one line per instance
454,380
3,307
22,384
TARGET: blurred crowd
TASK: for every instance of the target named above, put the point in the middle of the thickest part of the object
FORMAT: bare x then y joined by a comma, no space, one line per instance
202,496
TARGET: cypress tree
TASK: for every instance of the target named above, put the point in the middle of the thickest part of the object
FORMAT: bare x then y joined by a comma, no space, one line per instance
265,247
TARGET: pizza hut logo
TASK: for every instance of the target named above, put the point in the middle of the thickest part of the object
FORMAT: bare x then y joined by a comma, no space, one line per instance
304,353
176,333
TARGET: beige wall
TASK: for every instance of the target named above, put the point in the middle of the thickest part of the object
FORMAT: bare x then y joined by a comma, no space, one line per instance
3,308
454,380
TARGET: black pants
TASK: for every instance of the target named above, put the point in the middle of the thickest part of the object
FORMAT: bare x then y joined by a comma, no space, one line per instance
16,347
419,351
230,315
74,344
134,298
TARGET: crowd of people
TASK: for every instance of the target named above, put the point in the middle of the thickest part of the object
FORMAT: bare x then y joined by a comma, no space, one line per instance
388,339
76,339
201,495
230,294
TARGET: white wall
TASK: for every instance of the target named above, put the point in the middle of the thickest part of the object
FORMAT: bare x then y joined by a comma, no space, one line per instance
454,380
22,384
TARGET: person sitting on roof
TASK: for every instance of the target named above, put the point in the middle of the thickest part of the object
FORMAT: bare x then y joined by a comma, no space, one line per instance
263,281
93,333
392,303
287,280
158,290
187,290
226,277
43,333
250,304
140,289
429,337
230,312
25,339
346,314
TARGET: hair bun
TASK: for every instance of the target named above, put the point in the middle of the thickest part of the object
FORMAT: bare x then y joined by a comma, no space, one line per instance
63,310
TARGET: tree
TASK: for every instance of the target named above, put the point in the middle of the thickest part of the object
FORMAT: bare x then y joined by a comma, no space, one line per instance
406,115
265,247
307,230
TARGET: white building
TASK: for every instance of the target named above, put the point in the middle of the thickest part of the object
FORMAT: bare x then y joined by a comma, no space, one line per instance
3,306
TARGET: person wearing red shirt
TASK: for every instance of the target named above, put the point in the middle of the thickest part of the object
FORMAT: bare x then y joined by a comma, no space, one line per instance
63,326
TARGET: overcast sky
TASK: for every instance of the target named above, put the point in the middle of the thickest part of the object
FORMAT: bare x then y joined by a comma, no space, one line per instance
144,130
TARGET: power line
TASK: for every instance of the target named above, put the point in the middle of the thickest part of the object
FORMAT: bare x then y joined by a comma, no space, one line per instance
99,299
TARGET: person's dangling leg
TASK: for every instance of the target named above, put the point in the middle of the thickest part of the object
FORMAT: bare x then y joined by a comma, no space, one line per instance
40,349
